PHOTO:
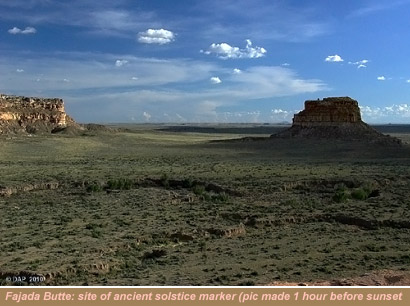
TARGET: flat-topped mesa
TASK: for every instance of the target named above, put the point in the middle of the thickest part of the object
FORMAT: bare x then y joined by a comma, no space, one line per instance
31,114
328,112
334,118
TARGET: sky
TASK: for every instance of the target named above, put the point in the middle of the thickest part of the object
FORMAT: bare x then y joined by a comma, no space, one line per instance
207,60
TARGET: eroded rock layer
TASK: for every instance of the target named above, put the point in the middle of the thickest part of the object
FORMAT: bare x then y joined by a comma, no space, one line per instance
328,112
20,114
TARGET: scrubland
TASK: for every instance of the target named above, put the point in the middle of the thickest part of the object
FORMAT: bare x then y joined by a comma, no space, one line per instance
143,206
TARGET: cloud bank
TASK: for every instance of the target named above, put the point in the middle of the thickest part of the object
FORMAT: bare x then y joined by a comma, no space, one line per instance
226,51
397,113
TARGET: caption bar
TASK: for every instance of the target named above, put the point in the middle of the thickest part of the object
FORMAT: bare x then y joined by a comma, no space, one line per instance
222,296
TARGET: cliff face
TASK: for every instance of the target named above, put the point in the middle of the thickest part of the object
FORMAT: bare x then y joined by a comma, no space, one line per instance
28,114
329,111
333,118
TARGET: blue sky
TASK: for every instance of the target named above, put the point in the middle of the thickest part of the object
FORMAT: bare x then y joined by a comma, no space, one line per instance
208,60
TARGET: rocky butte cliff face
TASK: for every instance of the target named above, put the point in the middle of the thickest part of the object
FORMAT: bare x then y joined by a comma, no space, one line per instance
333,118
32,115
328,112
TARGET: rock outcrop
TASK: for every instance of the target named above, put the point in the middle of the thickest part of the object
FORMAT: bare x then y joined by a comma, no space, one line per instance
328,112
333,118
32,115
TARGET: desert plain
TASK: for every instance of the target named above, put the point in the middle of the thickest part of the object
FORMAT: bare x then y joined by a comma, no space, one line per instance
174,205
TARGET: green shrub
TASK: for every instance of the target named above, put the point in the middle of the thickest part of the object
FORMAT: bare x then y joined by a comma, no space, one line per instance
198,189
154,254
112,184
292,203
119,184
202,245
95,187
165,180
340,196
187,183
360,194
93,226
96,233
210,196
66,218
206,197
220,198
340,186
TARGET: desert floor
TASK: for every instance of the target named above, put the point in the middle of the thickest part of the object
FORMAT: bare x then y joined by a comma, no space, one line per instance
153,205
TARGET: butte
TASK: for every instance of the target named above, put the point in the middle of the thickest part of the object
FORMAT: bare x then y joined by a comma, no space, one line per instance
334,118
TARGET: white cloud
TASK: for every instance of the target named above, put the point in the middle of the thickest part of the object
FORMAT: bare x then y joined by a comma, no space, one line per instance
27,30
370,112
215,80
280,115
134,78
381,78
19,70
407,81
333,58
226,51
66,80
392,113
360,64
237,71
14,31
119,63
158,36
404,109
279,111
147,116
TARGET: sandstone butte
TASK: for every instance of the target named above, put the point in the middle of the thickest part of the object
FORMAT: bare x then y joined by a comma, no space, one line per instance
32,115
333,118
